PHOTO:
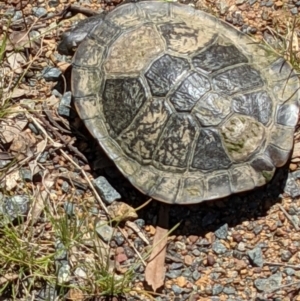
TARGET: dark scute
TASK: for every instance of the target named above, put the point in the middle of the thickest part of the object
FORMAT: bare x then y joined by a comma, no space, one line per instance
176,141
256,104
237,79
122,98
209,152
189,92
164,73
217,57
262,164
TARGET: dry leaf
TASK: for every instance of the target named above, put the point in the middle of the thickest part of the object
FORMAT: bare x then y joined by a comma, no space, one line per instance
155,269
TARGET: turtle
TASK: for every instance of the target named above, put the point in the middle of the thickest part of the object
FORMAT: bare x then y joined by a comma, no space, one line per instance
187,107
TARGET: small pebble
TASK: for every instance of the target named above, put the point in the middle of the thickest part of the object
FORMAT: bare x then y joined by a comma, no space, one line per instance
104,231
106,191
255,256
39,12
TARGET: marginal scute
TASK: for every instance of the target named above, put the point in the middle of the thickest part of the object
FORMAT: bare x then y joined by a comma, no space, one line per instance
282,137
85,81
154,12
140,139
217,57
264,169
287,114
254,104
242,136
97,128
193,190
164,73
242,178
237,79
122,98
126,16
132,51
144,178
283,81
166,189
87,107
92,58
278,156
209,152
212,109
176,141
189,92
102,31
218,185
127,166
115,150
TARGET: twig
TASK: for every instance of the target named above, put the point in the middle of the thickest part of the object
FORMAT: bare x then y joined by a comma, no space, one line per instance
288,217
295,267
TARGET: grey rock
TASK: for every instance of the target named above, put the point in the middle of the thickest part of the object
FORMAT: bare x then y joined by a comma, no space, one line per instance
239,2
173,274
25,174
51,74
297,3
222,232
17,15
106,191
292,187
69,208
104,231
4,163
218,247
43,157
187,273
255,257
289,271
285,255
196,252
15,207
119,239
229,290
64,108
61,252
64,273
176,265
257,229
129,252
268,284
140,222
269,3
217,289
39,12
53,3
251,2
196,275
176,289
46,293
294,11
65,186
33,128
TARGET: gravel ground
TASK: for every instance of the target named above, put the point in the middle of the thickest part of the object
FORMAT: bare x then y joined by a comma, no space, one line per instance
244,247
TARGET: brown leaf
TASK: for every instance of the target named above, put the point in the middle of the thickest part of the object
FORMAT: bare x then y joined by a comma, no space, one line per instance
155,269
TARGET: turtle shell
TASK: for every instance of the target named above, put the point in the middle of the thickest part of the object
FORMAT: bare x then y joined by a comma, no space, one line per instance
188,108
